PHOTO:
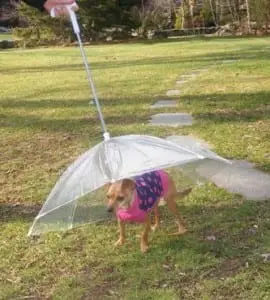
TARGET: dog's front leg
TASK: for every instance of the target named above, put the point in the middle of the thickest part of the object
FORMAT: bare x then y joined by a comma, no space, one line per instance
121,239
144,237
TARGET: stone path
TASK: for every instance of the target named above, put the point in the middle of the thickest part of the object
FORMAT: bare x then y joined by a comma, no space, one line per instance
181,81
174,119
230,61
171,119
184,78
164,103
241,177
173,93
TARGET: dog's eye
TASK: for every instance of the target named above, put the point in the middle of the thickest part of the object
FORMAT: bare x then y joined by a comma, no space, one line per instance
120,198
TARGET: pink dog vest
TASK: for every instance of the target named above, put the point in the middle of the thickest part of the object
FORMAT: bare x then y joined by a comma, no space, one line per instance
149,188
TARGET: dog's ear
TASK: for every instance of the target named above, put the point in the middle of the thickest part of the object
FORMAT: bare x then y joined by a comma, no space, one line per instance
128,184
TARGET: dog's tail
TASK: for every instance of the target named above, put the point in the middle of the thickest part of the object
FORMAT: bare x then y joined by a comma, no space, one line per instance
182,194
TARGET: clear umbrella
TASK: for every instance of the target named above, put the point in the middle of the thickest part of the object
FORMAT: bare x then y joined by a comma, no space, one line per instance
78,196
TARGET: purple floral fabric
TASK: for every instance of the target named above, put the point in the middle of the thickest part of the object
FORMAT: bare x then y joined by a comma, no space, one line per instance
149,189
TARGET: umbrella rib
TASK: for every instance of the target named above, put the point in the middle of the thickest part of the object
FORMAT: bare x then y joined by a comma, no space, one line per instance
201,156
44,214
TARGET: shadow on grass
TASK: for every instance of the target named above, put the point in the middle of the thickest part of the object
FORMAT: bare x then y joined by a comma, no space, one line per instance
253,53
239,101
15,212
213,108
70,103
222,108
233,116
84,214
77,124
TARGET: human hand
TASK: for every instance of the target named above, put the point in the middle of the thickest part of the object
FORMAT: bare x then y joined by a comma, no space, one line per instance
60,6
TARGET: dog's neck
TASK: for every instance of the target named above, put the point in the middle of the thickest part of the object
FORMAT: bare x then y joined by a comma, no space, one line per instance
126,204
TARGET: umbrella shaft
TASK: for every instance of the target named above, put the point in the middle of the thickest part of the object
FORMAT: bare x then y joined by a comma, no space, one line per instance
92,85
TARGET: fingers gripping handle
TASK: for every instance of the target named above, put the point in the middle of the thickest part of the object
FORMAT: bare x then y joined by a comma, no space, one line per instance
72,17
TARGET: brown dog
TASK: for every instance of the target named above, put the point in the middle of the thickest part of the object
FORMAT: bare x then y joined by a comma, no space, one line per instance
134,200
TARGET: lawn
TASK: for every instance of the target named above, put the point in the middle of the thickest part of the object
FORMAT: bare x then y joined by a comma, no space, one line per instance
46,122
5,36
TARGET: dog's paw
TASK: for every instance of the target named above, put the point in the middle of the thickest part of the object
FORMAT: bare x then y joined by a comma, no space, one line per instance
120,242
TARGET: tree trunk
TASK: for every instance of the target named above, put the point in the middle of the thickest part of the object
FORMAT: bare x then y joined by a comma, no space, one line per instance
236,10
191,7
182,10
213,13
230,9
248,17
217,9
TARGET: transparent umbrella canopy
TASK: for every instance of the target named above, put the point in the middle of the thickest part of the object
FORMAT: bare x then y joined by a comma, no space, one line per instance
78,196
121,157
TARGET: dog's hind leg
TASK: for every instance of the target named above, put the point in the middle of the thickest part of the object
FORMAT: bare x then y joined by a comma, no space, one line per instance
170,199
174,209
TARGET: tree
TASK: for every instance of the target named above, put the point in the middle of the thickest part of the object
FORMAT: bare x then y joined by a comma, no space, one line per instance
260,13
154,15
98,15
248,16
180,14
42,28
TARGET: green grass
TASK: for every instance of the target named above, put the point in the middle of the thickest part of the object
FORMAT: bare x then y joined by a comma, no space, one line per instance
5,36
46,123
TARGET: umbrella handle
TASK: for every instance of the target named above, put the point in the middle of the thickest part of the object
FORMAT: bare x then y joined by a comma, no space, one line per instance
72,16
76,29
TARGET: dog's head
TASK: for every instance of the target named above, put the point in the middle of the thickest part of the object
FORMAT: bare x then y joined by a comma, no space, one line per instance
120,194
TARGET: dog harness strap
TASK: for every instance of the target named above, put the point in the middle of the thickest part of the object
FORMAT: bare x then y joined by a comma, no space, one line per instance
149,189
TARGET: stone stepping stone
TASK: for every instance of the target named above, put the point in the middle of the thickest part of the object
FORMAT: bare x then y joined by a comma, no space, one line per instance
164,104
173,93
171,119
191,75
201,70
195,72
188,76
182,81
229,61
240,177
